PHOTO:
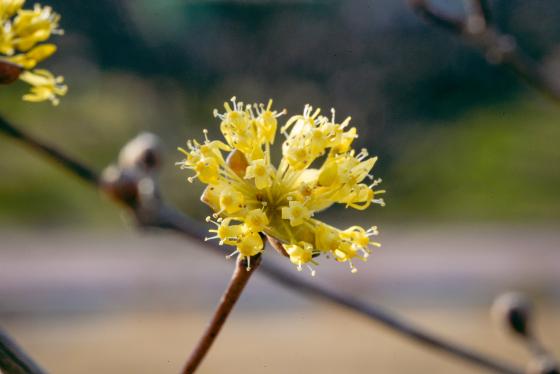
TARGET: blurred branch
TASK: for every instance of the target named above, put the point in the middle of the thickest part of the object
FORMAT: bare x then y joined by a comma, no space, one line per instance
243,270
478,29
133,183
13,360
515,313
67,163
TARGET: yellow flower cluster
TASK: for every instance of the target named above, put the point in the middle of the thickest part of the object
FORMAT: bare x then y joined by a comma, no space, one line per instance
21,33
251,197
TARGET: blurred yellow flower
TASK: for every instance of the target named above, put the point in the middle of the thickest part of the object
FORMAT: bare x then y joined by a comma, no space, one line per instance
21,32
251,197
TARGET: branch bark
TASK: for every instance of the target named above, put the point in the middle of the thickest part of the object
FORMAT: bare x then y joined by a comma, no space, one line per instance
13,360
66,162
478,29
237,284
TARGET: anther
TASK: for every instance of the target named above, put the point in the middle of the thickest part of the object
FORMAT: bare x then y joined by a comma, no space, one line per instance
205,131
231,254
311,270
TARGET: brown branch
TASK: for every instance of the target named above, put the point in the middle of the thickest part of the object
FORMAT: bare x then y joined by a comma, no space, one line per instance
435,16
13,360
121,183
67,163
239,279
478,29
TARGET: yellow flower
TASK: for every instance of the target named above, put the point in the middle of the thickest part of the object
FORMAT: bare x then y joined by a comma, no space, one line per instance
231,200
300,254
30,59
21,31
280,201
45,86
296,213
256,220
262,172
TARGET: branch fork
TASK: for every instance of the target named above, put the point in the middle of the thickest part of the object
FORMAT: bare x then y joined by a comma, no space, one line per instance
478,29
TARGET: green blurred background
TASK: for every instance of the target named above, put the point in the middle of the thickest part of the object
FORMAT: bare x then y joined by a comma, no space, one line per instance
458,139
469,156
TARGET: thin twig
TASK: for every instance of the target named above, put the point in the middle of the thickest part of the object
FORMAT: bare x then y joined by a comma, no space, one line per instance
158,215
13,360
478,29
69,164
391,321
373,312
239,279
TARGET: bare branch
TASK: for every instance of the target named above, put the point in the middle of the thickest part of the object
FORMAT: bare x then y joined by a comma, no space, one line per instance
133,185
243,271
13,360
478,29
433,15
67,163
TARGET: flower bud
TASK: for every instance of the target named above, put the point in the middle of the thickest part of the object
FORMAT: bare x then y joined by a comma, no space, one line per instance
514,311
143,152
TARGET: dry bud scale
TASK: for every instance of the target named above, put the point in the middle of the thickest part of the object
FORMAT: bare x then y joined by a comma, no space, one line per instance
22,33
250,196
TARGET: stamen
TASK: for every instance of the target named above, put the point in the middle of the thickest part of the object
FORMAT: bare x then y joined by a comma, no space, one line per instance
363,154
375,182
231,254
311,270
346,122
381,202
250,110
209,219
205,132
317,111
372,231
217,214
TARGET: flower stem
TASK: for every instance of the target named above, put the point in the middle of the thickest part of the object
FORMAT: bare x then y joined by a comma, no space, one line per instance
236,285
